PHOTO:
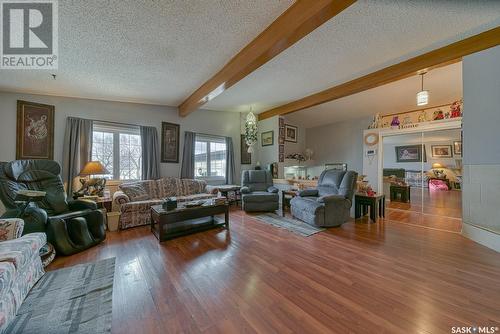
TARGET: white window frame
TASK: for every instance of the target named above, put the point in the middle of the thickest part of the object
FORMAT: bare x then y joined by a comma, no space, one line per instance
116,130
211,139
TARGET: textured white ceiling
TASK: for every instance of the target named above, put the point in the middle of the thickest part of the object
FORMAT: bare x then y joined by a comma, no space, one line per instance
367,36
444,85
148,51
161,51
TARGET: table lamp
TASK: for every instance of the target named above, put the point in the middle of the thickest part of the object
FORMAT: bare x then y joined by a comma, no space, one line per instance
92,186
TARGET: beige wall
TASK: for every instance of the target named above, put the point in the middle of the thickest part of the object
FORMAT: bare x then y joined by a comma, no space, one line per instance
205,121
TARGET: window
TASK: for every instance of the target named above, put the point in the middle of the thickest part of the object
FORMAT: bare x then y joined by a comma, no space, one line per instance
118,148
210,157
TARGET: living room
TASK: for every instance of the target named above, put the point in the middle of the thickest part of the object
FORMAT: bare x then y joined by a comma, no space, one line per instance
266,166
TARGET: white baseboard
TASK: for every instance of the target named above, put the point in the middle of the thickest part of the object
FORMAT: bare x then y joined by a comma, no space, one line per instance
481,236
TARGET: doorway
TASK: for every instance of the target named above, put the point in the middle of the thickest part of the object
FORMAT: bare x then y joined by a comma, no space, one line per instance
422,178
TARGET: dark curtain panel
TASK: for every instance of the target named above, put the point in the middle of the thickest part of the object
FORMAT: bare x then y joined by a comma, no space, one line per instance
230,168
77,149
150,153
187,168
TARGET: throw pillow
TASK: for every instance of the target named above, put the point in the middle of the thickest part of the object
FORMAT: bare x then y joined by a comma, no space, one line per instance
11,229
135,191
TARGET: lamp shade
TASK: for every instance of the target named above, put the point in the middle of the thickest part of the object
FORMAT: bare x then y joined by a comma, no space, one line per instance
437,165
94,168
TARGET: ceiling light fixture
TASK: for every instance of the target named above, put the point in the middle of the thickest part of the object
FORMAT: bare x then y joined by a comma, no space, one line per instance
423,95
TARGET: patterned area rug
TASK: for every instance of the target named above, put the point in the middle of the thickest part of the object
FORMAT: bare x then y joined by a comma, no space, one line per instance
69,300
290,224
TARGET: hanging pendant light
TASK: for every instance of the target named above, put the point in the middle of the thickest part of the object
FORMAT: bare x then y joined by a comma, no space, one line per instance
250,130
423,95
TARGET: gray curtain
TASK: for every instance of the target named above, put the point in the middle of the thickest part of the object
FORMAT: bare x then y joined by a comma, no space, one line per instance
230,169
150,159
187,168
77,149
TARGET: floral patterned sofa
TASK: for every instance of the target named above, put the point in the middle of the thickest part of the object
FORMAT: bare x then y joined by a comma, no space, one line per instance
20,267
134,200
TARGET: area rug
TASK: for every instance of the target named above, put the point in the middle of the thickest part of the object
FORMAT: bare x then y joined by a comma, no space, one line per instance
290,224
70,300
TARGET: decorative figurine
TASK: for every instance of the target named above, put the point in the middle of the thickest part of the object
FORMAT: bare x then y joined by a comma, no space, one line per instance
395,121
407,121
447,115
377,122
438,115
456,109
422,117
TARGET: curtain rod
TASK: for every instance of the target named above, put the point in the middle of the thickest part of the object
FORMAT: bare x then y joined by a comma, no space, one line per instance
111,122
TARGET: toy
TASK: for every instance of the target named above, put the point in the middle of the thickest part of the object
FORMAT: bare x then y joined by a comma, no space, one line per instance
438,115
395,121
456,109
376,122
422,117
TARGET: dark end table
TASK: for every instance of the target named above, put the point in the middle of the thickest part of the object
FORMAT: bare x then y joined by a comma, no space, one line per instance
400,191
183,220
376,204
286,197
226,189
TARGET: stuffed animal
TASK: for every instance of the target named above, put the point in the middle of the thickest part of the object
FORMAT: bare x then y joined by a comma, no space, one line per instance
395,121
376,122
438,114
456,109
422,117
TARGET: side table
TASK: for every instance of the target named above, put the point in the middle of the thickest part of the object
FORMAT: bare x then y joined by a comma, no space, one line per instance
286,196
403,191
376,204
105,203
226,189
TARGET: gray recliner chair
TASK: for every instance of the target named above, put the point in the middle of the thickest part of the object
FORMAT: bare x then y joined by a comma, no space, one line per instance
329,204
258,192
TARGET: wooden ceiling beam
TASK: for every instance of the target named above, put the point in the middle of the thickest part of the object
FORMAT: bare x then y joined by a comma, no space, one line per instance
299,20
440,57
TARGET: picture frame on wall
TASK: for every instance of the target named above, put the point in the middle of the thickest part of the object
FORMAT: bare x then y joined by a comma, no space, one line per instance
281,122
457,148
267,138
246,157
291,133
170,134
410,153
442,151
35,131
281,137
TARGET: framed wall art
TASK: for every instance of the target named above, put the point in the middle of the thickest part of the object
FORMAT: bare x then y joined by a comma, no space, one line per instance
35,131
457,148
170,133
267,138
441,151
291,133
410,153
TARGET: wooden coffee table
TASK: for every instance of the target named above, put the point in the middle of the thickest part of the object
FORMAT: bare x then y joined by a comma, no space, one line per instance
166,225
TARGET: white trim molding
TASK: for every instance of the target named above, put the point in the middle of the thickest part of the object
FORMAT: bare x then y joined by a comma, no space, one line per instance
482,236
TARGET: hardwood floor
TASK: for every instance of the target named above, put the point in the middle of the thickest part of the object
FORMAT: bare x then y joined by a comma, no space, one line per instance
358,278
441,210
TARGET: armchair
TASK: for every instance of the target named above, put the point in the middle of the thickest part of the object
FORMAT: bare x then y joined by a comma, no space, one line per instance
329,204
71,226
258,192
